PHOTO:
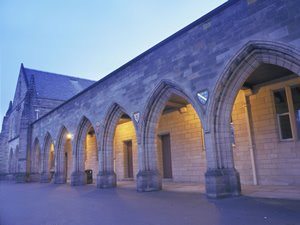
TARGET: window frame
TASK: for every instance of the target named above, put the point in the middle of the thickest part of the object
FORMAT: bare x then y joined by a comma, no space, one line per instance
287,88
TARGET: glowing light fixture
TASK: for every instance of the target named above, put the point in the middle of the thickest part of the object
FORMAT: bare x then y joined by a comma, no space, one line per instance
69,136
183,110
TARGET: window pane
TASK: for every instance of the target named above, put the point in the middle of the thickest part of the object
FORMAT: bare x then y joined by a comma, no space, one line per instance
285,126
296,102
280,102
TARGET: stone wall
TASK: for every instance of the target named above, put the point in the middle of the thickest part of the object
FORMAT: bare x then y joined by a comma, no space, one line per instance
124,132
68,149
91,155
188,155
277,161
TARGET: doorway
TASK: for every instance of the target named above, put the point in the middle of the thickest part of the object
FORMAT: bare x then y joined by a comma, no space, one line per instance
128,159
166,156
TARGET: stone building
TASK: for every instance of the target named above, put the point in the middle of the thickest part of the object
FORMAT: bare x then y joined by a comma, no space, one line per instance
216,103
36,94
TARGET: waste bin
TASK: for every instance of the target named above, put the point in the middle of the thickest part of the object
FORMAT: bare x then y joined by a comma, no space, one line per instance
89,176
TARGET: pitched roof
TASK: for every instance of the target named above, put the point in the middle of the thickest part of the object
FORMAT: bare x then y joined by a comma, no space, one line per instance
55,86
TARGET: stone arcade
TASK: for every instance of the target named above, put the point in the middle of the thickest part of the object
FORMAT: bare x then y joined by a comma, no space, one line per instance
217,103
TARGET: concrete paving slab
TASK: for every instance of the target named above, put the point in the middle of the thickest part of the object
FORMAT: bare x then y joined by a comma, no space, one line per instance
50,204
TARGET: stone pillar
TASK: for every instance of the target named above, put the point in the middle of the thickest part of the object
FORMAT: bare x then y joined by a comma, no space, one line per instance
45,177
106,179
34,177
222,183
148,177
78,178
148,180
59,178
221,178
21,175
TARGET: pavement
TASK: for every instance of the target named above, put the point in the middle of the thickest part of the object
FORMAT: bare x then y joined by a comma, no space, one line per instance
177,204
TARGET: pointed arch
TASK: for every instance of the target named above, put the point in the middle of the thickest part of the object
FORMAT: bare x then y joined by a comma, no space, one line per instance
113,115
219,153
107,176
47,158
61,139
239,68
60,160
36,156
10,161
16,160
152,112
83,128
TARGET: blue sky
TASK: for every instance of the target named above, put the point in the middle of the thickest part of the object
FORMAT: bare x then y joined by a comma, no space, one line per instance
84,38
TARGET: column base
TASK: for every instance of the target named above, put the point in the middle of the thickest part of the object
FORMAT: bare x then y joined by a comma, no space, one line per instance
59,178
148,181
21,177
222,183
106,179
5,176
45,177
78,178
34,177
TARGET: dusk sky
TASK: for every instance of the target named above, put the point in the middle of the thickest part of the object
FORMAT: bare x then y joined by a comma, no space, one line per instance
88,39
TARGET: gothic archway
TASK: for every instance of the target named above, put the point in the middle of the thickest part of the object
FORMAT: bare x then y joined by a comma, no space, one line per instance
165,95
221,177
48,159
107,176
63,157
11,162
86,152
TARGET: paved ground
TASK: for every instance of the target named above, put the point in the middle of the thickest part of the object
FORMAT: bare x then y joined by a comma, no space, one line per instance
273,192
50,204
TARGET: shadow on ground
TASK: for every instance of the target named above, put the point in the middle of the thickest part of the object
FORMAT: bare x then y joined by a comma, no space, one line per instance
50,204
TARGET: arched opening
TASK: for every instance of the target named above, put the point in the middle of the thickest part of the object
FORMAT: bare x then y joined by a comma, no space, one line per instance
48,165
263,83
125,149
11,161
86,154
35,161
63,169
172,140
115,140
91,158
51,162
179,142
266,125
16,160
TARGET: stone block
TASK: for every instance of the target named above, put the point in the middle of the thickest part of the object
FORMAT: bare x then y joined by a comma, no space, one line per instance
222,183
106,179
148,181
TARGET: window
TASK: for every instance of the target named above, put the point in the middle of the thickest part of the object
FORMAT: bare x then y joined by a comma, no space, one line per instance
296,105
283,114
287,105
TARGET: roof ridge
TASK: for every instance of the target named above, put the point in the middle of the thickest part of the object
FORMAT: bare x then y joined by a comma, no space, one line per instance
57,74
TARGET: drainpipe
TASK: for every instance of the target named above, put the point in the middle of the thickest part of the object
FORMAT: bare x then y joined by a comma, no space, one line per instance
248,93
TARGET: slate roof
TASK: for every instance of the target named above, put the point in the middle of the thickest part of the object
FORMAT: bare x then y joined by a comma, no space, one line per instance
55,86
